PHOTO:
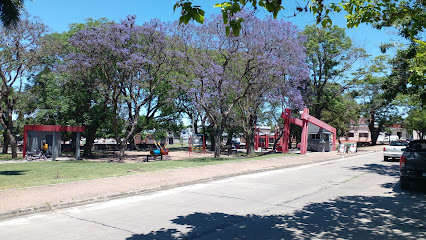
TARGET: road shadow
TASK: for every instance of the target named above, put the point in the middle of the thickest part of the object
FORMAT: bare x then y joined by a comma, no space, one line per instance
14,172
392,171
382,169
352,217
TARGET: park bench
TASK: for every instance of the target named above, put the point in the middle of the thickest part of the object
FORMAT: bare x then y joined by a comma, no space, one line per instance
228,150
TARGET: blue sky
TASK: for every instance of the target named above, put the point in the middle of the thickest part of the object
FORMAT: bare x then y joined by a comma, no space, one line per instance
58,14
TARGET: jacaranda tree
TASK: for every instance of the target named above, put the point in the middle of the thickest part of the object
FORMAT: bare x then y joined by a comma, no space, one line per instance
227,69
130,62
276,56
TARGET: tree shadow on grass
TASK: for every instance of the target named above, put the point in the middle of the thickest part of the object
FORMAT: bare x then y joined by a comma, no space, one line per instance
14,172
207,159
352,217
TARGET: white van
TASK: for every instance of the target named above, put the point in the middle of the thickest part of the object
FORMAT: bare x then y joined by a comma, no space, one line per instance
389,139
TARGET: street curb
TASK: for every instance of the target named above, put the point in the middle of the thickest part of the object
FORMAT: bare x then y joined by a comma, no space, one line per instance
48,207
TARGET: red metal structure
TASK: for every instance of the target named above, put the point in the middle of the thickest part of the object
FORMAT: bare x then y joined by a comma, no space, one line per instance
303,122
259,143
263,141
192,148
52,128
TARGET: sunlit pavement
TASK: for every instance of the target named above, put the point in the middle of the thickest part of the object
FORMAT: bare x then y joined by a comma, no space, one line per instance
352,198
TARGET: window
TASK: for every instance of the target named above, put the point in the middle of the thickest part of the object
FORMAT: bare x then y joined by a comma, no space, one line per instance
351,134
398,143
365,135
315,136
326,137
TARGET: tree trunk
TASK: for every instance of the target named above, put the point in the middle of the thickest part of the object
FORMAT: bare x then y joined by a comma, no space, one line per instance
5,142
11,138
129,133
195,127
374,131
203,126
13,145
122,145
90,138
229,138
281,134
250,142
73,140
212,140
338,138
374,136
218,140
317,112
251,126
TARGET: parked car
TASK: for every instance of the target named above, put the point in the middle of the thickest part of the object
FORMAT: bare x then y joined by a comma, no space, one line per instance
235,144
412,165
394,150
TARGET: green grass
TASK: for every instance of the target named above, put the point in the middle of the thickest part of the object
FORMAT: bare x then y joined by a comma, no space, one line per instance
177,145
8,156
28,174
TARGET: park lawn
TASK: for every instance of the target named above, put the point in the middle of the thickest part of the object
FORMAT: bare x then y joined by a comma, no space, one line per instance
29,174
8,156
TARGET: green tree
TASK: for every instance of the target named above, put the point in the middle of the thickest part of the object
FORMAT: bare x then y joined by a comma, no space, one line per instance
374,105
56,97
10,11
417,66
248,109
409,71
19,51
163,113
407,75
341,111
407,16
132,62
331,58
416,121
410,15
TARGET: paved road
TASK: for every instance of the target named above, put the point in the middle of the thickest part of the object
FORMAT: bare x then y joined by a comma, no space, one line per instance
351,198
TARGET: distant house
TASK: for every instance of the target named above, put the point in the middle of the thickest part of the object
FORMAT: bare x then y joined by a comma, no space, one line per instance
185,134
400,131
359,133
105,144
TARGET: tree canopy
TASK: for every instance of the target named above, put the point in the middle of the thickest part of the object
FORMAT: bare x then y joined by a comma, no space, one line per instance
409,15
10,11
265,60
119,79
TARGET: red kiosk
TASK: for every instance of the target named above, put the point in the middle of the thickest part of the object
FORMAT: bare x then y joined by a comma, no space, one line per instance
49,133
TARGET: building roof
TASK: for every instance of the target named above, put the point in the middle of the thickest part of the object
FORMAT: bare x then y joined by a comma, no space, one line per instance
314,129
53,128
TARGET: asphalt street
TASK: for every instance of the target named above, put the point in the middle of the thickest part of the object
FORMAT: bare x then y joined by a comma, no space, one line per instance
350,198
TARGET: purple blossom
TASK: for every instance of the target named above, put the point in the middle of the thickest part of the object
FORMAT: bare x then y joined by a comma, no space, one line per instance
268,58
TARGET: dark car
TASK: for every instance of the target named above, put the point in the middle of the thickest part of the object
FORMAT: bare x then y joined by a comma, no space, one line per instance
412,165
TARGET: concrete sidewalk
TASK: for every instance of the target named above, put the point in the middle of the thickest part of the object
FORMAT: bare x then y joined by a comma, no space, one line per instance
16,202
